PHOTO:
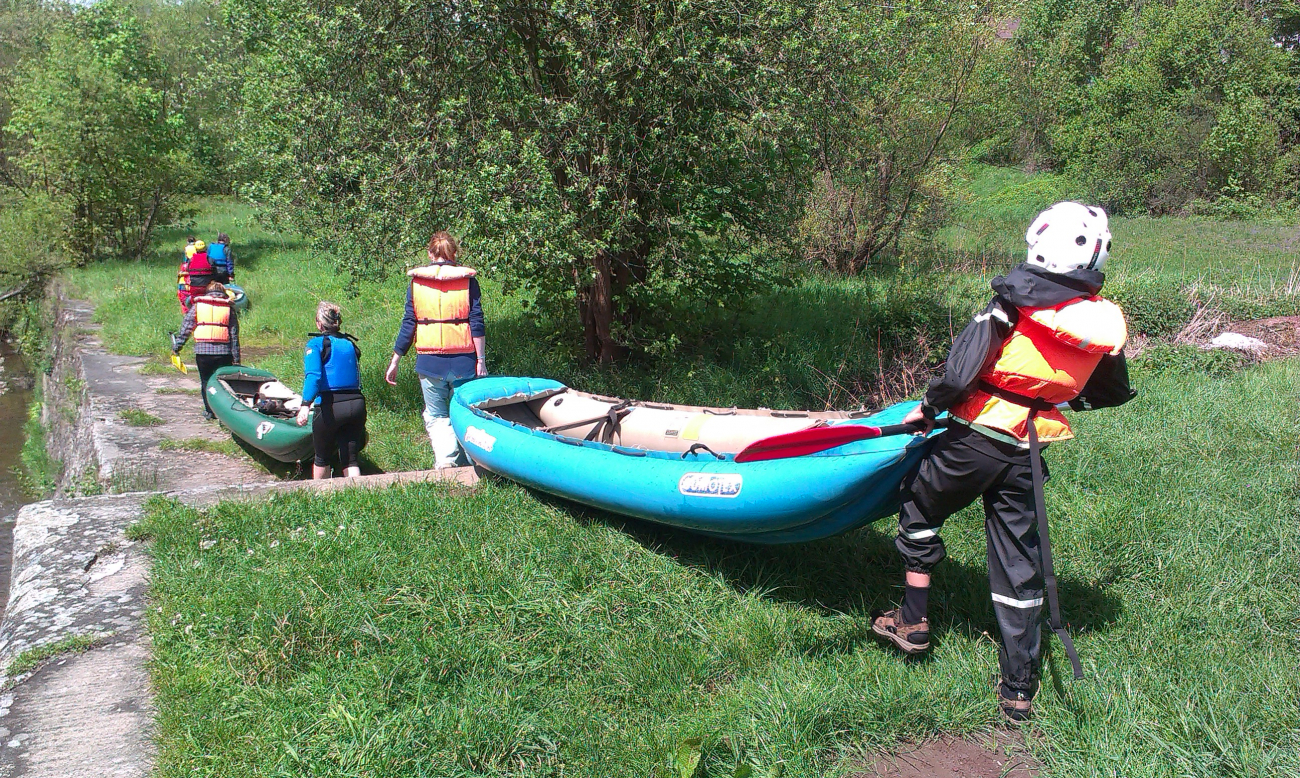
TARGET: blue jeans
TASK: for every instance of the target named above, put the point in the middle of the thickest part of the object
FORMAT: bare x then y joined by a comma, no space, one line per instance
437,394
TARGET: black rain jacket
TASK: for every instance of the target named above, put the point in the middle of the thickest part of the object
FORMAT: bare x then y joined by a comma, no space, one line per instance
979,345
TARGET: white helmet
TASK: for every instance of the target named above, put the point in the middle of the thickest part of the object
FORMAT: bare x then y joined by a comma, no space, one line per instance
1069,236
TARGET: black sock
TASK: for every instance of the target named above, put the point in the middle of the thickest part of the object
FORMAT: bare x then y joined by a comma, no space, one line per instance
915,602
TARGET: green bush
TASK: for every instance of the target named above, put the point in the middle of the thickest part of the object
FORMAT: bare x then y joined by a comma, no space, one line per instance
1154,306
1180,360
1241,306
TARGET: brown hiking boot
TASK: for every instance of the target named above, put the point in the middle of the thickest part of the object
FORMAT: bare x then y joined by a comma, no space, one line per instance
911,638
1016,707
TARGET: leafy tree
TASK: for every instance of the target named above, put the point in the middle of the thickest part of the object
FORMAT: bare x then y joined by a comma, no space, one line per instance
99,138
200,60
1152,105
22,24
884,87
604,156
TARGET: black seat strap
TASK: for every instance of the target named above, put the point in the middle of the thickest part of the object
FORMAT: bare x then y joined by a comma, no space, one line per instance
606,424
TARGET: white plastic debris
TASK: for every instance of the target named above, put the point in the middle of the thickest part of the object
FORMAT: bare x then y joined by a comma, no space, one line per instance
1237,342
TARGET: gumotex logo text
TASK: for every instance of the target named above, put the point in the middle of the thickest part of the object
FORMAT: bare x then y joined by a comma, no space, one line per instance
710,484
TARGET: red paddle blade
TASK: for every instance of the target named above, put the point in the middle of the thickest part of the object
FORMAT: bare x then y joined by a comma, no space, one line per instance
809,441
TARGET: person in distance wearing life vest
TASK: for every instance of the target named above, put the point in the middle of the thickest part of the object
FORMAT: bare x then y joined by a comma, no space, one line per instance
222,259
215,327
199,268
183,276
444,321
331,368
1045,339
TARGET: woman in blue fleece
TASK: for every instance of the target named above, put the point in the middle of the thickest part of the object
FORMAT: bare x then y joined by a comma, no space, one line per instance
332,379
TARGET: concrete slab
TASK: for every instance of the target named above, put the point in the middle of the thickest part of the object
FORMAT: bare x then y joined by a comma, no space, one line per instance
76,573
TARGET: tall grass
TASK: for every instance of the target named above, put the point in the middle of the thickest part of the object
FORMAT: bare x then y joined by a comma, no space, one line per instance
424,632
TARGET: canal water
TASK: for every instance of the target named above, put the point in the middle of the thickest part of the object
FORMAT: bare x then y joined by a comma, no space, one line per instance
15,395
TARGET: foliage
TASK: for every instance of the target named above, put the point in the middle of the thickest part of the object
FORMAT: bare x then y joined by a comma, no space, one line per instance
600,158
1152,105
1154,306
201,60
883,86
31,242
39,474
1187,360
99,139
23,24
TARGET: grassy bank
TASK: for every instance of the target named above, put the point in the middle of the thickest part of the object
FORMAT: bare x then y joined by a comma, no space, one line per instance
417,632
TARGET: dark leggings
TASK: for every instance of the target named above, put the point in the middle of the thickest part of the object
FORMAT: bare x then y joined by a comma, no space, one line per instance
340,425
207,365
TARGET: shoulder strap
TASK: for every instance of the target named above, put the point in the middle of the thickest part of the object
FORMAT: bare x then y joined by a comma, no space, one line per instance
327,347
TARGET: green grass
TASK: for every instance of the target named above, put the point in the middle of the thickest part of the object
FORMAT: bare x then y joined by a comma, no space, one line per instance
176,390
1256,257
420,631
34,657
39,472
138,418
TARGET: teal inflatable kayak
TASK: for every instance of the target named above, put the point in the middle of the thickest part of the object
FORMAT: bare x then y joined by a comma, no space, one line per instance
234,394
677,464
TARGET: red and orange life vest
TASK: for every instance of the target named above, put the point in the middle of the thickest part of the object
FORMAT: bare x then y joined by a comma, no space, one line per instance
1049,356
440,294
212,315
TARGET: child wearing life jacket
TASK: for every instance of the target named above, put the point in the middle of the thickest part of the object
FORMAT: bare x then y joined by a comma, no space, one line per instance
183,276
444,321
199,268
215,327
1045,339
222,259
331,366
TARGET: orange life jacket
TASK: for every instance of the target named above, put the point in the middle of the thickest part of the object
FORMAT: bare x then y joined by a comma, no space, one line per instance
1049,356
440,294
213,317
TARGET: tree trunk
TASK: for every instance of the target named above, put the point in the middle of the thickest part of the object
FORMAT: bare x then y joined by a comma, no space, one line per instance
596,308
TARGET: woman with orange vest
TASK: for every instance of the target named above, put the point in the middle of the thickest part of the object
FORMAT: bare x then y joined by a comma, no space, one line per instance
1046,339
215,326
444,321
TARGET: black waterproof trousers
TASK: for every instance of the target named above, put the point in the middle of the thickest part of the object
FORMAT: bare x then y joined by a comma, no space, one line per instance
207,365
965,465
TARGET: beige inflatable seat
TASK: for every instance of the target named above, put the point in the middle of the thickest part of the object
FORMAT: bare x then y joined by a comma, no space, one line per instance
664,427
274,390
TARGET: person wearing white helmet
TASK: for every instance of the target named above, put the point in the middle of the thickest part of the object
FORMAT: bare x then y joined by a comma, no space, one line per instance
1045,339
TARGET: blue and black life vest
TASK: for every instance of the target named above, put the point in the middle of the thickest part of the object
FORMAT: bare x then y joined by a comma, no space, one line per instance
219,257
